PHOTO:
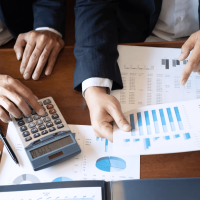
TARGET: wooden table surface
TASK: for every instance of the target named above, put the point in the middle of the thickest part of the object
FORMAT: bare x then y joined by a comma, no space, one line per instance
74,109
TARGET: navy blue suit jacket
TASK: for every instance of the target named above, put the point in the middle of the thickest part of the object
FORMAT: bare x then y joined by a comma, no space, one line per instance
102,24
20,16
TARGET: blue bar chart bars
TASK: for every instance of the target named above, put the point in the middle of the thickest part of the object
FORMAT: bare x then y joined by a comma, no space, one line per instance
178,117
176,136
97,138
147,143
163,120
171,121
167,137
155,121
187,136
136,140
126,140
132,124
139,116
106,145
146,114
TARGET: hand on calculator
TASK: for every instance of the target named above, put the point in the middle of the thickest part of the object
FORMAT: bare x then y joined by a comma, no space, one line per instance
14,95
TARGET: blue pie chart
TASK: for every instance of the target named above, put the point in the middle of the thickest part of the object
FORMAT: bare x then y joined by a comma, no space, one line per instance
110,164
61,179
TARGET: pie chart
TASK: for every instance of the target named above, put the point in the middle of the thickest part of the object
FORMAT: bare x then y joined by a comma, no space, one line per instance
61,179
26,178
110,164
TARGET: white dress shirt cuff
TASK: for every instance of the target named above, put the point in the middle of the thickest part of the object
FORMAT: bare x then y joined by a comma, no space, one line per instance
98,82
49,29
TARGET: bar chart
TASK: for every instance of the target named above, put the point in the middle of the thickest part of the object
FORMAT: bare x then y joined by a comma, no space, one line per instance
160,128
103,140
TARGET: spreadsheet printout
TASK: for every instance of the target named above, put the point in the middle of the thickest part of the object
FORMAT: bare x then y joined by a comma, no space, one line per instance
85,193
97,161
163,128
151,76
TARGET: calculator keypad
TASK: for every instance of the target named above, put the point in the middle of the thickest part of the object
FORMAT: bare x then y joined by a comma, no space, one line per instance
34,126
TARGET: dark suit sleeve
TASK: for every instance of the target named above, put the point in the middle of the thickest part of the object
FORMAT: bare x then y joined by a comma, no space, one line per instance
96,42
50,13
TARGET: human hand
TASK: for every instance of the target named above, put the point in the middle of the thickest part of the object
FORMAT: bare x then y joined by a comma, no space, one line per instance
14,94
104,109
40,47
193,64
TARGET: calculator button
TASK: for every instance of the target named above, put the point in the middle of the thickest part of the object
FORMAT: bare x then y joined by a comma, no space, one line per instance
42,127
40,103
18,119
60,126
47,101
44,132
49,124
21,123
39,122
23,128
46,114
57,121
52,111
28,138
49,106
47,119
36,117
31,125
29,119
55,116
26,133
36,135
34,130
33,112
52,129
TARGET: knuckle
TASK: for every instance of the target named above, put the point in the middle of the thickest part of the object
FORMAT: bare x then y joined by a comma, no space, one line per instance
43,38
33,34
20,101
8,80
121,120
44,57
9,106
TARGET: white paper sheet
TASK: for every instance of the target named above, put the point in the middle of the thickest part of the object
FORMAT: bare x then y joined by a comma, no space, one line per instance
87,193
152,76
85,166
166,128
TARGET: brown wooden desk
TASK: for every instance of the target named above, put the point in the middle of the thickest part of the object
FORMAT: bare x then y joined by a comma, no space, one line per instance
73,107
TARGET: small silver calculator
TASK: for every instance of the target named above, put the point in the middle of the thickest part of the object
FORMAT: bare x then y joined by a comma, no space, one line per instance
47,139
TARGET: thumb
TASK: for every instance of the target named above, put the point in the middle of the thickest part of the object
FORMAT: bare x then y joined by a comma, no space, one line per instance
120,119
19,46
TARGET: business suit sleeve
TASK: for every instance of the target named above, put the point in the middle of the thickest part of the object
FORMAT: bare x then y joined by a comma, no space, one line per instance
96,42
50,13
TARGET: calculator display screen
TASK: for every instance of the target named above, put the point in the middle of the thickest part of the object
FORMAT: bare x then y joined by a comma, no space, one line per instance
51,147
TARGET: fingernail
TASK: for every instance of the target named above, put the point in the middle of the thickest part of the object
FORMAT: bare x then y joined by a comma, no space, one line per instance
35,76
126,127
47,73
28,115
183,81
26,76
22,70
180,57
41,111
18,56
